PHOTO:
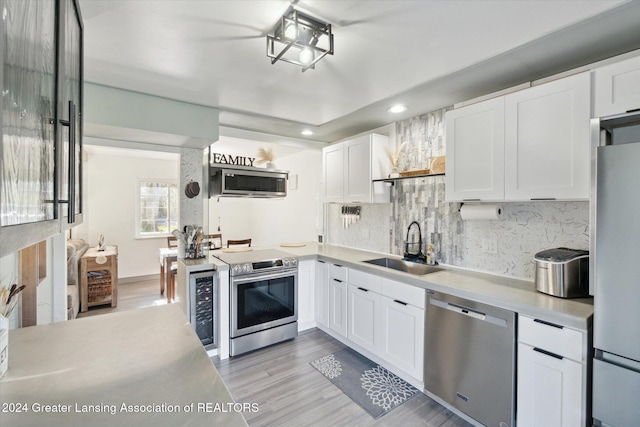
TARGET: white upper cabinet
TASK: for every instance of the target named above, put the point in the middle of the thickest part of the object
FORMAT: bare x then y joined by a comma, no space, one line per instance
547,141
475,152
529,145
357,172
617,88
332,171
350,167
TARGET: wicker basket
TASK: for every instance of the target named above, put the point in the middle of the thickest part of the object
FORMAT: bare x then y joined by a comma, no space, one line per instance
98,286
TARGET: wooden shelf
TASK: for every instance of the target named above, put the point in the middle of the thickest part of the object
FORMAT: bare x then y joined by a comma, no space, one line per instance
393,180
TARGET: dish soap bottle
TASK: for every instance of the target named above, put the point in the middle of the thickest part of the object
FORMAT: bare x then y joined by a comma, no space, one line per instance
430,258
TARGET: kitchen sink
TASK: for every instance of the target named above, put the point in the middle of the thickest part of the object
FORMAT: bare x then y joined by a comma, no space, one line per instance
406,266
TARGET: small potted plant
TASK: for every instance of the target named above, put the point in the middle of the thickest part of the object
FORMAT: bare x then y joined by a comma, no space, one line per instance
265,155
8,300
394,157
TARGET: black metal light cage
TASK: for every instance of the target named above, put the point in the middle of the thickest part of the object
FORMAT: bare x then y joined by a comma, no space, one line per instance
308,32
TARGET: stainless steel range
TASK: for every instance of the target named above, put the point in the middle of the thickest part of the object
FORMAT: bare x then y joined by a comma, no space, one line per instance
264,298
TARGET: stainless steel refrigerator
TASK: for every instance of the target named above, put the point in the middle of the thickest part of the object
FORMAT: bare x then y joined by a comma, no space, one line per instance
616,364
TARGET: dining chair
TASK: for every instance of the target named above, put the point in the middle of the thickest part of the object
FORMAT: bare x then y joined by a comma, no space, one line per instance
171,270
239,242
214,241
172,242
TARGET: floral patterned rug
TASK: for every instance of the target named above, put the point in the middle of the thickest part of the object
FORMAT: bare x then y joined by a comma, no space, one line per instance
368,384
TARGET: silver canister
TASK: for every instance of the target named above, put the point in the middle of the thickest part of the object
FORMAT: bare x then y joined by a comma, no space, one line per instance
562,272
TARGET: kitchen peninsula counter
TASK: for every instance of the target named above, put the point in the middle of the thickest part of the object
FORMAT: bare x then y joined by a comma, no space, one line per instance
139,367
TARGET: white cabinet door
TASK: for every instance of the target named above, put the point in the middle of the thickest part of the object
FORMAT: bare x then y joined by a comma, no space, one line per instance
306,294
322,293
475,152
617,88
338,306
333,172
547,137
402,343
350,167
549,390
357,172
364,317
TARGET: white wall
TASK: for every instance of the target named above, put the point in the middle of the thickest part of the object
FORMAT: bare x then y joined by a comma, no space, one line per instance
269,222
110,202
9,275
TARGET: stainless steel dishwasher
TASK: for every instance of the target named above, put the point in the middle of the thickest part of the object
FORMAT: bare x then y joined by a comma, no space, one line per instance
470,358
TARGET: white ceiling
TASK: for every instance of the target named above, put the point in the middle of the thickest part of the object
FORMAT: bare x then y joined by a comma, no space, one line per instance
427,54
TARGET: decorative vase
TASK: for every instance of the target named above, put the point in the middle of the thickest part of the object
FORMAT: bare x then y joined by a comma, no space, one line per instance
395,173
270,165
4,345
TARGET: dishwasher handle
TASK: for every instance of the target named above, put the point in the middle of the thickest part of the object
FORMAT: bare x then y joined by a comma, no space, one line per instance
469,312
466,311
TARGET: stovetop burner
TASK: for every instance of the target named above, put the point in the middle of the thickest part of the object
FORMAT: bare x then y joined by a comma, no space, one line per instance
262,260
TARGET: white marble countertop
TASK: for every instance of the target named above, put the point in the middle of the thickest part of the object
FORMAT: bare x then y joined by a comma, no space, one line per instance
139,367
504,292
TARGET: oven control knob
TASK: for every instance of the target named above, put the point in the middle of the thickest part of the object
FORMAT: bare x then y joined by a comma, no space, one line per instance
294,261
246,268
286,262
237,269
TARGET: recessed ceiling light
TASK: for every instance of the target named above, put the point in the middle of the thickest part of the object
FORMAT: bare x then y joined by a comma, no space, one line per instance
306,132
398,108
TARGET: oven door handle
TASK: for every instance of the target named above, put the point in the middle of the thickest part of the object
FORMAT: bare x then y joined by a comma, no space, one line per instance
239,280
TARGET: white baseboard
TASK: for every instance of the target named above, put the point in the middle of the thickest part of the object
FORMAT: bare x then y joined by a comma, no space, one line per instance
122,280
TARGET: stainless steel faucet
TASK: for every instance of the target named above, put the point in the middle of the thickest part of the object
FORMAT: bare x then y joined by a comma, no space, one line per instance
412,256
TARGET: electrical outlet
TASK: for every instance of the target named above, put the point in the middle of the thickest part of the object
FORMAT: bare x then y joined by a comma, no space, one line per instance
490,246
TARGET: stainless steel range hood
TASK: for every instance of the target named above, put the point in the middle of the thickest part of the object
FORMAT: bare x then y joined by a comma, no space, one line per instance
245,181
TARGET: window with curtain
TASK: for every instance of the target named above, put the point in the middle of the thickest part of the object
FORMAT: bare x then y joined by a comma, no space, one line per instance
158,208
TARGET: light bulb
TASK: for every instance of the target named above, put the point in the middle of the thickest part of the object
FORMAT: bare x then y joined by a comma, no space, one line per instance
306,56
291,32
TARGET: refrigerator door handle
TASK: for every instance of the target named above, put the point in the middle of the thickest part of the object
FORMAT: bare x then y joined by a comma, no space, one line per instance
619,361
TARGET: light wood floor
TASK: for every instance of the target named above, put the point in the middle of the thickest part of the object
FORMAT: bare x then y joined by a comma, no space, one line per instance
131,295
290,392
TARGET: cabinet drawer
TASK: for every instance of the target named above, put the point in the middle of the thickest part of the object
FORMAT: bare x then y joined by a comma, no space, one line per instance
92,265
402,292
551,337
363,280
337,271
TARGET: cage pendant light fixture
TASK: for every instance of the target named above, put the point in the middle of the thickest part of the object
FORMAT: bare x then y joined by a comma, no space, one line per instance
299,39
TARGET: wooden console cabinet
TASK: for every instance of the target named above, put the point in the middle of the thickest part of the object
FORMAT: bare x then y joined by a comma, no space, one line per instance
99,278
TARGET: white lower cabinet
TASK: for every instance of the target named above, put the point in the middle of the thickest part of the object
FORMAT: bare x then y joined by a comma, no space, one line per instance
364,317
402,341
338,306
380,317
321,308
306,294
549,389
552,375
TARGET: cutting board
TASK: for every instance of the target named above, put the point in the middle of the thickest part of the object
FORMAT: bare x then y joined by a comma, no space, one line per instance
231,250
292,245
438,164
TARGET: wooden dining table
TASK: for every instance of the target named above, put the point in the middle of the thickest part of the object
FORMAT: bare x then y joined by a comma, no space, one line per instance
165,267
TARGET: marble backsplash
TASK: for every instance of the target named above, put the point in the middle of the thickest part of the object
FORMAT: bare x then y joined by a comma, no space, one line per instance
522,230
371,232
